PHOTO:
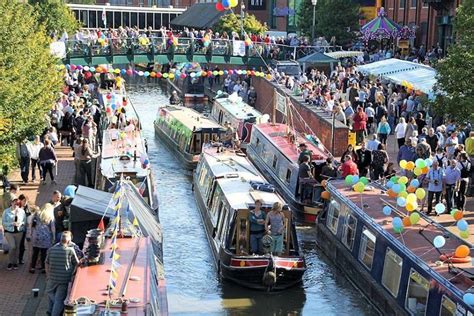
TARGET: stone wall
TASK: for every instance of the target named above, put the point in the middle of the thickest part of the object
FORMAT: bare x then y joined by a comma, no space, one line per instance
319,121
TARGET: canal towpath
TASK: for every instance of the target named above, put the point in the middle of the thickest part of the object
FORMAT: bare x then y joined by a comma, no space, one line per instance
16,286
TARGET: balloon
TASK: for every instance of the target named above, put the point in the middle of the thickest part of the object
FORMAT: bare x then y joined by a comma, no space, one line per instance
146,74
411,198
233,3
406,221
359,187
325,195
70,190
206,44
221,73
215,73
462,251
403,187
171,75
355,179
153,74
458,215
219,6
92,69
129,72
403,194
417,171
462,224
269,77
411,206
401,202
439,241
140,73
403,164
117,71
226,3
415,183
396,188
468,298
464,234
440,208
387,210
414,218
425,170
398,230
394,179
159,75
389,184
420,163
209,73
410,165
391,193
364,180
420,193
428,162
86,68
403,180
183,76
348,180
411,189
165,75
397,222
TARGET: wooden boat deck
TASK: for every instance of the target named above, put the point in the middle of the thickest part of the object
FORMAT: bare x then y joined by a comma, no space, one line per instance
416,238
189,117
278,135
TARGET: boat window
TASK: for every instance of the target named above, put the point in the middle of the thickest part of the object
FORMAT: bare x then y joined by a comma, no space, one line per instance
206,138
257,142
196,143
392,272
349,230
333,216
288,175
222,223
202,176
417,294
215,137
367,248
275,160
448,307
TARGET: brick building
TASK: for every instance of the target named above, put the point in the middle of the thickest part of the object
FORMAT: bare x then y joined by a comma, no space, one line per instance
433,19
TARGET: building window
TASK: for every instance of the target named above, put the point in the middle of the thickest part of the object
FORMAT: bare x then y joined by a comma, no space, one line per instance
417,294
367,248
392,271
288,175
448,307
333,216
349,230
413,3
275,161
402,4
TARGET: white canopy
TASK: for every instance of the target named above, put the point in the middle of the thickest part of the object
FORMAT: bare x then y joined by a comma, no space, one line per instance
344,54
421,77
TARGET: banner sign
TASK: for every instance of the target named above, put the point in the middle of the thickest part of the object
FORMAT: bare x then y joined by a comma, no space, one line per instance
280,103
257,5
238,48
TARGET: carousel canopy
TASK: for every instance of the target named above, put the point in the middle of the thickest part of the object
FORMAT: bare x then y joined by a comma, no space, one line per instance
380,28
412,75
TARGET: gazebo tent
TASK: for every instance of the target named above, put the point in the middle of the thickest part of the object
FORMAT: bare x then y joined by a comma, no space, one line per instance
199,16
403,72
317,58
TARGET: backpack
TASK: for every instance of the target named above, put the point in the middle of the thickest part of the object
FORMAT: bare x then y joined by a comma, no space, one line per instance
466,170
24,153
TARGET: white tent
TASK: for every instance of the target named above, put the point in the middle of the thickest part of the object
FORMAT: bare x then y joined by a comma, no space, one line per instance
421,77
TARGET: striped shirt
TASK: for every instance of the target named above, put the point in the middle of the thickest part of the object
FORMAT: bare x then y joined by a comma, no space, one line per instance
61,260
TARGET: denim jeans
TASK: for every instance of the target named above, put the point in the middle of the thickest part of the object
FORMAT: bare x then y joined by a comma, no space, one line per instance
255,242
57,293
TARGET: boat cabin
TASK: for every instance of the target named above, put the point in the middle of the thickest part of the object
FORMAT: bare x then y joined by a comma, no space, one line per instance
239,114
188,128
406,266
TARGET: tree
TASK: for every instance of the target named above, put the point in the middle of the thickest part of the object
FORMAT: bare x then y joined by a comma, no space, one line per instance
454,86
232,23
82,1
29,79
339,18
56,16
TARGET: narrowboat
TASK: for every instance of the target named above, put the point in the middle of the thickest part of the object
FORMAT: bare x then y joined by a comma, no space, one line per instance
124,149
185,131
123,271
225,196
273,148
402,273
191,86
239,114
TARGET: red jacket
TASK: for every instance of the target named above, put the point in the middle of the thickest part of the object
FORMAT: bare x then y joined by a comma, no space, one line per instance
360,121
349,168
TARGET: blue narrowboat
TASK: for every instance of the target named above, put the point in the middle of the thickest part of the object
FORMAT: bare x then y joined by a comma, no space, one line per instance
401,273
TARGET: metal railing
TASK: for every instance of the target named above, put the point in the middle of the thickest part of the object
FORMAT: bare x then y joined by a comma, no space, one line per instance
186,46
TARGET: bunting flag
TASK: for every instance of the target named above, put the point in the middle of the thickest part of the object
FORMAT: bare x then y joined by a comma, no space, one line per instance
135,222
115,265
101,225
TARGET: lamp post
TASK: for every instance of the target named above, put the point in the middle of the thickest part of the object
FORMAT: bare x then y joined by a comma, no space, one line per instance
242,16
314,2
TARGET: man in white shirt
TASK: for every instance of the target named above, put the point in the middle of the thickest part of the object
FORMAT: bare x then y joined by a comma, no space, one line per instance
370,112
373,144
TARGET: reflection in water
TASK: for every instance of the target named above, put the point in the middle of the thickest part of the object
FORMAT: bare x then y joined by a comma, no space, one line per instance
192,283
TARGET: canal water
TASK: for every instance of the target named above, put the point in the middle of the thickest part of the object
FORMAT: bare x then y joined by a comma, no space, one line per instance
192,283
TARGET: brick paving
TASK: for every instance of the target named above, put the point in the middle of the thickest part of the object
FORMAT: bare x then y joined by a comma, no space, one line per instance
15,286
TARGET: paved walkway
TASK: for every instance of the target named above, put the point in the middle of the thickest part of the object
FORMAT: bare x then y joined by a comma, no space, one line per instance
15,286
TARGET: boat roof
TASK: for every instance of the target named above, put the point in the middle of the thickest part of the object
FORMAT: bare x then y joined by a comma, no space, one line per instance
238,109
410,241
189,117
277,133
234,173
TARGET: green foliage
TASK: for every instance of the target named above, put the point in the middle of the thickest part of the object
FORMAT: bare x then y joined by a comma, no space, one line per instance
456,99
28,76
82,1
339,18
55,16
232,23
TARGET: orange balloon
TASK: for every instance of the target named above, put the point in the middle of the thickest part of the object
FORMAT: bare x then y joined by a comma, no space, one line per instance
406,221
462,251
411,189
425,170
391,193
326,195
324,182
410,165
458,215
